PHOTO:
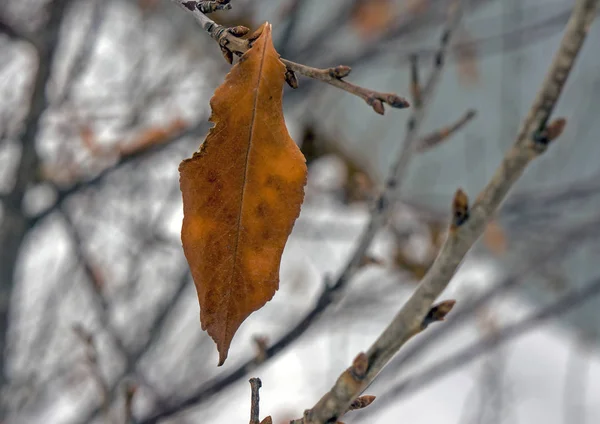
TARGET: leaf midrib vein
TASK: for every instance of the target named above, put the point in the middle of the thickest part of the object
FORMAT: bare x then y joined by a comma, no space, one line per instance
243,193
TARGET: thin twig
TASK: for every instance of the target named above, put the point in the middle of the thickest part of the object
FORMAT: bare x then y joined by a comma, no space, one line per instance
335,75
432,140
255,385
228,40
532,140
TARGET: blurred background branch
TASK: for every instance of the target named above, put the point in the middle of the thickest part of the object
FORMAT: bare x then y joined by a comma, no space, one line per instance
100,101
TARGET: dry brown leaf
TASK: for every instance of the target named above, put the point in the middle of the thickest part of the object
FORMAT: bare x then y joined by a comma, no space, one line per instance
241,194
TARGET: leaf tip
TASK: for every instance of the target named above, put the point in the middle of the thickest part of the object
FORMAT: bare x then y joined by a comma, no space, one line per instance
222,356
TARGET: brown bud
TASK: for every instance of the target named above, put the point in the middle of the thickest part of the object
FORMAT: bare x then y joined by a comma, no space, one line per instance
238,31
360,366
396,101
290,78
552,131
376,104
555,128
361,402
340,71
438,312
460,209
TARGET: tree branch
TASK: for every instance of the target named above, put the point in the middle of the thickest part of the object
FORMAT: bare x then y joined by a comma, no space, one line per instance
14,226
423,378
229,40
566,241
532,140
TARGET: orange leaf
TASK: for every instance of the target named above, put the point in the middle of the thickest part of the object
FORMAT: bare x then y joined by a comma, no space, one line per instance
241,194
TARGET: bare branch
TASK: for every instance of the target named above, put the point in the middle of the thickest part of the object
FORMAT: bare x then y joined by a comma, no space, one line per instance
14,224
528,146
255,385
487,344
434,139
335,75
229,41
570,240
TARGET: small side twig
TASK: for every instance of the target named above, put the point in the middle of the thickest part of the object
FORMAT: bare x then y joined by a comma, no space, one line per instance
436,138
255,385
438,313
231,43
334,76
361,402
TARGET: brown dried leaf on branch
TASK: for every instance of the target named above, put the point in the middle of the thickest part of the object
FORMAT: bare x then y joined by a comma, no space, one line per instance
241,194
